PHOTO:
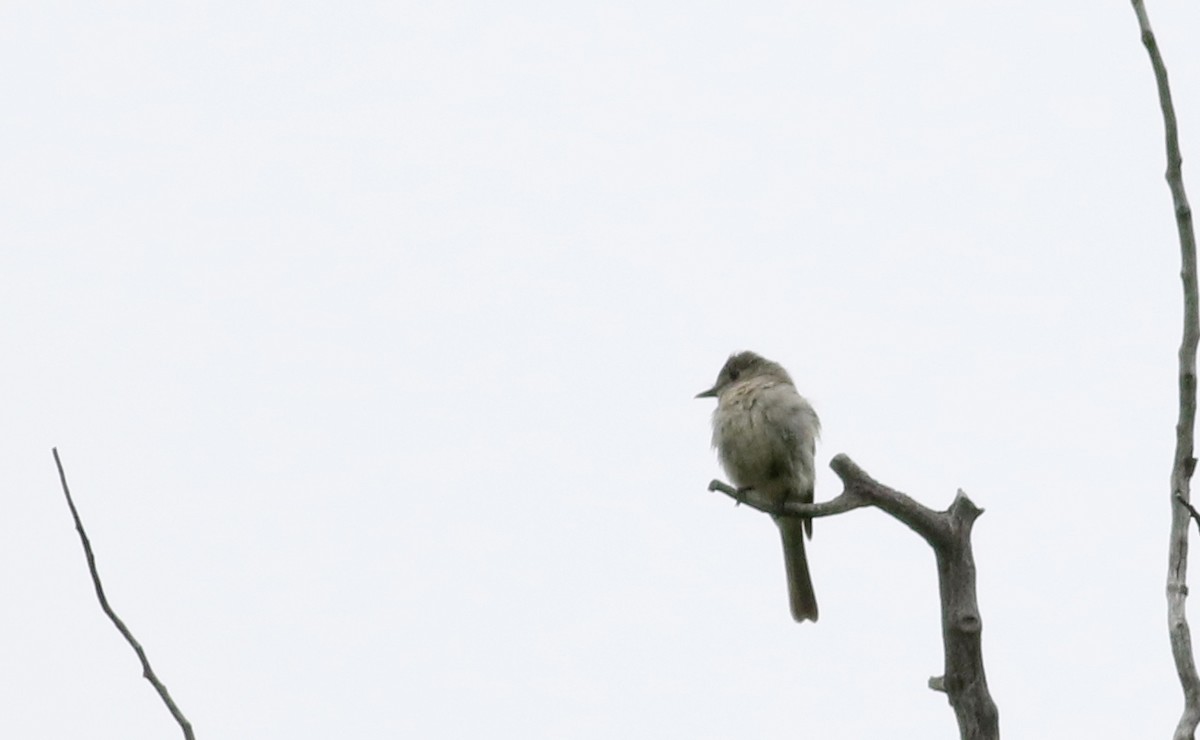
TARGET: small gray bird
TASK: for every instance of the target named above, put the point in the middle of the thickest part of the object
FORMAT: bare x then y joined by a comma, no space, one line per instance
765,434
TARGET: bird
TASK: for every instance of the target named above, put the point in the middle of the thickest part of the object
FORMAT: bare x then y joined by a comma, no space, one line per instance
765,435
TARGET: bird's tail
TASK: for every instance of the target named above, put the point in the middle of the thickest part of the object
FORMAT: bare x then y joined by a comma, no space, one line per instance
800,589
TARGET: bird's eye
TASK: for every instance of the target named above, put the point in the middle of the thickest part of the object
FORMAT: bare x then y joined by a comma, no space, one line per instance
733,374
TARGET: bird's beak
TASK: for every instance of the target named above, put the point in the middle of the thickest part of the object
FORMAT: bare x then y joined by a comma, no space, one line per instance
710,393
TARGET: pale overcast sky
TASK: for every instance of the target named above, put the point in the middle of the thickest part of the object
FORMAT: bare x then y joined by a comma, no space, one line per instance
369,334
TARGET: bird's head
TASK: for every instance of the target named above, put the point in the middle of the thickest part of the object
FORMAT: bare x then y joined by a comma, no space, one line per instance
743,366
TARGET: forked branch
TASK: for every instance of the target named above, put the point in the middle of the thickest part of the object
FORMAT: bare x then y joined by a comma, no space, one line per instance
949,534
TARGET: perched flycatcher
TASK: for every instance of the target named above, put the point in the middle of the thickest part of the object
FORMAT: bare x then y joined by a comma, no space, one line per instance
765,434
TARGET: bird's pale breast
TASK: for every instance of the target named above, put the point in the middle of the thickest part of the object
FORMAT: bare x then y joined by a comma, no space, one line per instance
764,432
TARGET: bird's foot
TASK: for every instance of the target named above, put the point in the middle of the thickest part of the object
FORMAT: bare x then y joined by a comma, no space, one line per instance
739,496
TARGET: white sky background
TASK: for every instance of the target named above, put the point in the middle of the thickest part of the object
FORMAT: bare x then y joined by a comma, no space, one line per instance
369,335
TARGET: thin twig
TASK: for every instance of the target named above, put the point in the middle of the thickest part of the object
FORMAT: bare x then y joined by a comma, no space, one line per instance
1184,462
147,671
1191,509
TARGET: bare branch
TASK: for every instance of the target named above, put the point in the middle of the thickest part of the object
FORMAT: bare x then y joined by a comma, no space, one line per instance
931,525
847,501
949,534
1185,462
147,671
